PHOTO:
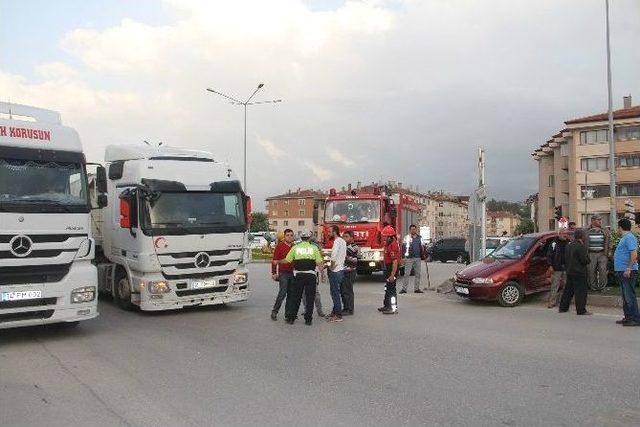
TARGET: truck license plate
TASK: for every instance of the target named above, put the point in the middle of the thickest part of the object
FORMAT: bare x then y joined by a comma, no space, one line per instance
21,295
201,284
461,290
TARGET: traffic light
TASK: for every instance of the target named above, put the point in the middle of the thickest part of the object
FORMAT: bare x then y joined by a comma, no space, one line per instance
558,212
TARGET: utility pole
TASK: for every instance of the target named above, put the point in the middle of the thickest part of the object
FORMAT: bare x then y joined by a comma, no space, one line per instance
613,220
483,204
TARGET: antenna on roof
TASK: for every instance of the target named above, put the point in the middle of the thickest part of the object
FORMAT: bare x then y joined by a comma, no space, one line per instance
146,142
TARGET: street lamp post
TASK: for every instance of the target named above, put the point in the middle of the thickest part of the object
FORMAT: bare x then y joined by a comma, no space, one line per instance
244,104
612,148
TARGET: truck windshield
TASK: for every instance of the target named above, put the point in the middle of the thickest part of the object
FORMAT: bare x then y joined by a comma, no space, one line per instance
514,249
42,186
352,211
198,211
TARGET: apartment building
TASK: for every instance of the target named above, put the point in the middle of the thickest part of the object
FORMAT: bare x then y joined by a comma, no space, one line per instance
573,167
295,210
448,215
501,222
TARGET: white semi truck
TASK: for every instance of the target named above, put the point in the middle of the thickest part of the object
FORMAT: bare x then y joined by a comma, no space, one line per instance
174,233
46,246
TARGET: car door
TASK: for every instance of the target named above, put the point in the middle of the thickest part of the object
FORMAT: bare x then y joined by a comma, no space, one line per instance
538,268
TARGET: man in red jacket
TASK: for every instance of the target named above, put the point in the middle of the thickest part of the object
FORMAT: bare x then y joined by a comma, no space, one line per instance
282,272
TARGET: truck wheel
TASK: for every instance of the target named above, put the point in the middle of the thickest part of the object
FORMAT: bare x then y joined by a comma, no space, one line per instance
123,292
511,294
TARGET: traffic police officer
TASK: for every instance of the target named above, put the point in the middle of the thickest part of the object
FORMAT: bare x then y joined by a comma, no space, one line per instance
305,257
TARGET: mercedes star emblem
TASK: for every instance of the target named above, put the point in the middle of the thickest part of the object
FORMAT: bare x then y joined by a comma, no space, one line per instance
202,260
21,246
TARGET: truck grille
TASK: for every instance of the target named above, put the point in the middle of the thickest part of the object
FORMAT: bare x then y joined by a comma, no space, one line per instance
33,274
28,303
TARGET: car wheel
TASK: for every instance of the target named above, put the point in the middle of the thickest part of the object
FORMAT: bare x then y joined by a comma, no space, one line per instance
510,294
123,292
460,259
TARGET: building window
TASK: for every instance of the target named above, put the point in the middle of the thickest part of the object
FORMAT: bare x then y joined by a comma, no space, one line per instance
552,180
286,212
628,133
274,213
301,223
301,202
594,164
286,202
285,223
301,212
594,136
564,149
629,189
628,160
274,223
594,191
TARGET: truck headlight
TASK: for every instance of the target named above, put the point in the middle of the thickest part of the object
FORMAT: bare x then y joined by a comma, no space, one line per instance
376,256
482,281
85,248
240,278
85,294
159,287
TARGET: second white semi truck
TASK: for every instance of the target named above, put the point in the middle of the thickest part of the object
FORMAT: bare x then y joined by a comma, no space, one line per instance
174,233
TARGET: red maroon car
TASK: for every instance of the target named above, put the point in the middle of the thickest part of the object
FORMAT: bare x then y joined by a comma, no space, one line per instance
517,268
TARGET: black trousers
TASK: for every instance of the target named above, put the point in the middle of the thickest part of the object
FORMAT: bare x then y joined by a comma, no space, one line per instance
390,294
575,286
303,282
346,291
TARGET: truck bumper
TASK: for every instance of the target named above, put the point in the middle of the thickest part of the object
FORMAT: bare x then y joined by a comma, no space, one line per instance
372,266
55,305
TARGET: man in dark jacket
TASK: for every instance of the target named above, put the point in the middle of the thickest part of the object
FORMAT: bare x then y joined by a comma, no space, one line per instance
556,258
351,264
576,261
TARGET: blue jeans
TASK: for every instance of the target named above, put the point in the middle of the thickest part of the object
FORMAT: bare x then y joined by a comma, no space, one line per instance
629,301
335,281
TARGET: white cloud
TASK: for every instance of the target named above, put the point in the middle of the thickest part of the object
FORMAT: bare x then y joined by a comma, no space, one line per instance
319,172
340,158
272,149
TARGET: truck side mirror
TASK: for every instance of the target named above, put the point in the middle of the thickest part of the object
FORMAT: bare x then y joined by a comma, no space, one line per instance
101,180
102,201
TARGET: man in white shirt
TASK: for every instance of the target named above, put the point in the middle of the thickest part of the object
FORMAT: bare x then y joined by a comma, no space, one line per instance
336,272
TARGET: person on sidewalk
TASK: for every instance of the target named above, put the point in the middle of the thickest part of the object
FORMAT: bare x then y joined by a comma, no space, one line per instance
556,258
317,300
281,272
625,264
412,256
336,272
306,259
576,261
391,262
599,251
351,264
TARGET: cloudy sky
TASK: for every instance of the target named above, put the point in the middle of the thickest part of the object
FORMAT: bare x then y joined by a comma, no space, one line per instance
400,89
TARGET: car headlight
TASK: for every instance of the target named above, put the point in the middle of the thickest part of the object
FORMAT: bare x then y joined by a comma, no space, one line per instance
85,248
159,287
240,278
482,280
85,294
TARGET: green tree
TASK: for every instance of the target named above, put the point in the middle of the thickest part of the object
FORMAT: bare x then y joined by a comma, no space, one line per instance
525,226
259,222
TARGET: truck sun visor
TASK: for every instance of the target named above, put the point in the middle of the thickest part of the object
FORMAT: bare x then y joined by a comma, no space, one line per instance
163,186
226,187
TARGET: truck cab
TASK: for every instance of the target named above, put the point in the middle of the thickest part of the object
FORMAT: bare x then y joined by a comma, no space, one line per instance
46,245
175,232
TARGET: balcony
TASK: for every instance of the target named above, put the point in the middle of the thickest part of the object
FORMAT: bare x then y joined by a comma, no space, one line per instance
564,163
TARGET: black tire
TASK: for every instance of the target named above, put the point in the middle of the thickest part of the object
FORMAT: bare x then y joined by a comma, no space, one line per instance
510,294
122,291
460,259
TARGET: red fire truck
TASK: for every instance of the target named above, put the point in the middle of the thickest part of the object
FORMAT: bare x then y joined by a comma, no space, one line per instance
366,212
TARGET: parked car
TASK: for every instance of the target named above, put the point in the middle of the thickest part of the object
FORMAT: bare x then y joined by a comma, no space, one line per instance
449,249
514,270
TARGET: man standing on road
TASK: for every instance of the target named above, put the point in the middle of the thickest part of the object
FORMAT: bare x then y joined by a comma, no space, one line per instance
625,264
412,254
391,261
351,264
556,258
283,273
576,261
336,272
306,258
318,300
598,243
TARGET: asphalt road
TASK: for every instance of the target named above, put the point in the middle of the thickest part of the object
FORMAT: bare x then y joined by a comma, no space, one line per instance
441,361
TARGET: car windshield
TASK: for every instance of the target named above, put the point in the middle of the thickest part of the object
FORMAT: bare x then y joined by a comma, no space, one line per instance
43,185
493,243
352,211
195,210
514,249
